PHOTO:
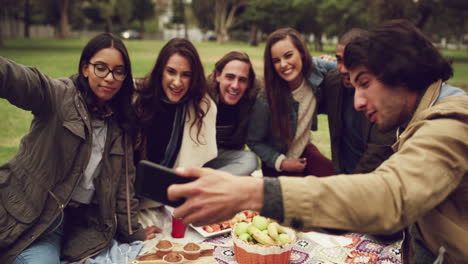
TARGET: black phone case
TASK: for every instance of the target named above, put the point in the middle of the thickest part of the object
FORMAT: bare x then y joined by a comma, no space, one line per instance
152,181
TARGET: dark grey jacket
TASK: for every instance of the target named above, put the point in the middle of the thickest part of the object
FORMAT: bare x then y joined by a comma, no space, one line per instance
378,145
37,183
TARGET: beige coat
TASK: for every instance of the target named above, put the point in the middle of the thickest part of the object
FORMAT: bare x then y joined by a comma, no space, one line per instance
192,153
424,182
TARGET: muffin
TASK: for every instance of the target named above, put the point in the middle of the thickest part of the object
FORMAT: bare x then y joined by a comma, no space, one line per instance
192,251
247,253
163,247
173,258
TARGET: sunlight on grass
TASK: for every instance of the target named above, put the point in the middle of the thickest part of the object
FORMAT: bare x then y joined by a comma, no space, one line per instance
59,58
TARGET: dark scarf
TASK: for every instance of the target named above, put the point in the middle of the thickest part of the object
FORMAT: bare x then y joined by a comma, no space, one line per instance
175,140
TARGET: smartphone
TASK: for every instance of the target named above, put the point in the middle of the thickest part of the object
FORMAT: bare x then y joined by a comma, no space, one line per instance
152,181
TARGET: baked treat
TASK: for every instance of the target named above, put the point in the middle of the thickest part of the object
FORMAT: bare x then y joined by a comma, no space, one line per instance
192,251
163,247
173,258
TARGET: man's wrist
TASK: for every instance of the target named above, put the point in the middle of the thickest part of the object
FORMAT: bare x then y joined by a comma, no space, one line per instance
255,197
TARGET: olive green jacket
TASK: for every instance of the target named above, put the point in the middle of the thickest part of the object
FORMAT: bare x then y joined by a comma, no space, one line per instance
424,182
37,183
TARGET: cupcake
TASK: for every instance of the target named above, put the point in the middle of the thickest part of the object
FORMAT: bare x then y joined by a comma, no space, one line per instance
163,247
248,253
173,258
192,251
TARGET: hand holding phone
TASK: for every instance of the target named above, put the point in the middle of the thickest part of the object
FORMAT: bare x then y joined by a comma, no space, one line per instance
152,181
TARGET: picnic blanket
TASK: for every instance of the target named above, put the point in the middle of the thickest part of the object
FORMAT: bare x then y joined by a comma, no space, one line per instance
118,253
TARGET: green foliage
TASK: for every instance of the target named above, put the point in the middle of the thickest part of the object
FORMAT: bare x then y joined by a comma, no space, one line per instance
59,58
144,10
178,9
124,12
203,10
270,15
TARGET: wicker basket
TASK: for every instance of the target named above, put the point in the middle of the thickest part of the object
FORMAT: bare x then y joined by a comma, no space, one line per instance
262,254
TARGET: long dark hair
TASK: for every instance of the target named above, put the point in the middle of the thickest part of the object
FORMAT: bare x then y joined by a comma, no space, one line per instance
121,102
149,90
398,53
276,89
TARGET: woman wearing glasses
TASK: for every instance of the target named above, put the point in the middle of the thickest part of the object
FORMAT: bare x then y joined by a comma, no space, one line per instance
68,191
177,118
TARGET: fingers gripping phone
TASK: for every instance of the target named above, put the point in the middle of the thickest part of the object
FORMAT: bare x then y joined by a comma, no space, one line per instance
152,181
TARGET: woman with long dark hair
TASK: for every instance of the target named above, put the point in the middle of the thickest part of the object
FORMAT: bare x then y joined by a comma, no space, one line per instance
69,190
279,130
176,117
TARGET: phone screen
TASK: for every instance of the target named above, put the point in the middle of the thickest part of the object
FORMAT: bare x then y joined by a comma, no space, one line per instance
152,181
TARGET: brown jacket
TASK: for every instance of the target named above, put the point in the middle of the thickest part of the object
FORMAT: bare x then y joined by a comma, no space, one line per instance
37,183
378,145
425,182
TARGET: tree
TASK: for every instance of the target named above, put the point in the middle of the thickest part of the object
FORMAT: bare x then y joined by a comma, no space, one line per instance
27,18
225,16
63,6
143,10
123,12
268,15
101,11
1,38
178,10
204,13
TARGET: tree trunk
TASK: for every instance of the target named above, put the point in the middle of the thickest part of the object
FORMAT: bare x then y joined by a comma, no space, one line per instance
27,18
253,35
318,45
1,38
64,25
142,28
426,13
220,37
108,25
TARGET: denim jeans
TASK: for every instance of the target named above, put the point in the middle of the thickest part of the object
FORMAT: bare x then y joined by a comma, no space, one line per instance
45,249
237,162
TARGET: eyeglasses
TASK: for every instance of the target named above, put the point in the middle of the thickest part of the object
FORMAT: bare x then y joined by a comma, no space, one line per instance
102,70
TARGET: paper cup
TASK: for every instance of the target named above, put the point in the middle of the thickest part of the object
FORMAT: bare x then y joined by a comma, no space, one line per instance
178,228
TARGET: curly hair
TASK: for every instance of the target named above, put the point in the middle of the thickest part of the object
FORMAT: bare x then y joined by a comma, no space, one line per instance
398,53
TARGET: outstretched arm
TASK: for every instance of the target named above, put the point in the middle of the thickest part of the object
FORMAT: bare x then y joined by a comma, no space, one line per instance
215,196
27,88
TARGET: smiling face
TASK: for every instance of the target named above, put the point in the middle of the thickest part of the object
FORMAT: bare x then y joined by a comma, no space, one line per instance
176,77
389,107
233,81
105,88
287,61
340,65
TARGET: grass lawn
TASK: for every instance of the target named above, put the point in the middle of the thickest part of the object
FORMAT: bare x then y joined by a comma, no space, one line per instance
58,58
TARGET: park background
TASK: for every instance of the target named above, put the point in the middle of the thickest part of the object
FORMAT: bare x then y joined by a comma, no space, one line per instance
50,35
